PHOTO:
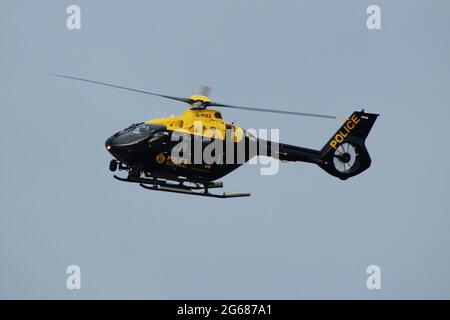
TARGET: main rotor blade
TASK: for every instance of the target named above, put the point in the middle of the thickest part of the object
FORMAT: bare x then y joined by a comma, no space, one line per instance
215,104
124,88
207,104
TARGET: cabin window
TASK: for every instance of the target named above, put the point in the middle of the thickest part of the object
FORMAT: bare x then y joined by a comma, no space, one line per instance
178,124
218,115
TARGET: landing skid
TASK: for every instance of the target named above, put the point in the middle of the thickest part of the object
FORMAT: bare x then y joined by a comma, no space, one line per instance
182,186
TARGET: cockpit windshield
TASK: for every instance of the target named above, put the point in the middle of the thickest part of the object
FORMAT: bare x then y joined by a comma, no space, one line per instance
135,133
143,129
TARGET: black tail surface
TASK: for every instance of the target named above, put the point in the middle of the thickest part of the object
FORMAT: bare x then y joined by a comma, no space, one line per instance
345,155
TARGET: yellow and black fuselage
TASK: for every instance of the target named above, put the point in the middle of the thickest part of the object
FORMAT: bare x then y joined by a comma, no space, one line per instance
148,146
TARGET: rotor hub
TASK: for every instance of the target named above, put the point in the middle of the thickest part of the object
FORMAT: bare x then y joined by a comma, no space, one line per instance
345,157
199,101
199,97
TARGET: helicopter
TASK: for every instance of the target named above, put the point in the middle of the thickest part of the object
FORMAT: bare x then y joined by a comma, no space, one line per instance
146,150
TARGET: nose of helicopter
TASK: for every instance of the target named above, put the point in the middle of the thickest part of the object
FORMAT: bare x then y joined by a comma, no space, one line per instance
111,146
120,151
126,145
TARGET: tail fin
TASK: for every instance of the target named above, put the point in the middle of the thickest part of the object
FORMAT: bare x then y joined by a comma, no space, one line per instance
345,155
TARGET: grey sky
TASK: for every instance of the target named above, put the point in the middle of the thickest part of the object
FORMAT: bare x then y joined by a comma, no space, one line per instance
303,233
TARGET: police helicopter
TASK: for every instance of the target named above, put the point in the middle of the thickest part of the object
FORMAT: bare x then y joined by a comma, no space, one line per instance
151,155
